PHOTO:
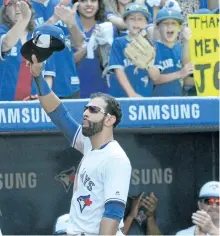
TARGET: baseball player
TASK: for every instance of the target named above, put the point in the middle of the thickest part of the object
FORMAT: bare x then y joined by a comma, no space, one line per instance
103,176
15,30
169,55
134,84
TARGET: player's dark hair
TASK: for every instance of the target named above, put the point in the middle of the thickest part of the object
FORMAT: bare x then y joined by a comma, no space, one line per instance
113,106
7,21
100,14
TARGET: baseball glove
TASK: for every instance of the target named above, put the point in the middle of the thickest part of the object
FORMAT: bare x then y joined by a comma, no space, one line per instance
140,51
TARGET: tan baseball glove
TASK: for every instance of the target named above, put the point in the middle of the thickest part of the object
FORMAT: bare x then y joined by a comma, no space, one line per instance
141,51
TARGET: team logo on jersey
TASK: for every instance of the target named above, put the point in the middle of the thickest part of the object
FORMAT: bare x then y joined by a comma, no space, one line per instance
67,178
84,201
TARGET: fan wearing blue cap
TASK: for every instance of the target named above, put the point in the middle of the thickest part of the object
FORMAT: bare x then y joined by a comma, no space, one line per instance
157,5
169,55
206,219
129,83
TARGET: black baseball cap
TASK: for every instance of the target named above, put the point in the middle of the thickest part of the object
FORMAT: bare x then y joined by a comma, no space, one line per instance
45,40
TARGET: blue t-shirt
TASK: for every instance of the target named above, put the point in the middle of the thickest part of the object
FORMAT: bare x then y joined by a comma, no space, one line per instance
43,11
11,63
66,82
9,68
138,79
168,60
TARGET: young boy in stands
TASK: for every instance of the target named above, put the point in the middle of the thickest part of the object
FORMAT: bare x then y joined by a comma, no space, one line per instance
136,17
170,55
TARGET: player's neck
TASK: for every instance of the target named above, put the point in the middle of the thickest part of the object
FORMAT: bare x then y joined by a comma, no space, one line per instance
87,23
100,140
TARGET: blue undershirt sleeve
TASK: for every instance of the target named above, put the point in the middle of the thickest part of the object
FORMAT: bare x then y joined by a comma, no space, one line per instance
64,122
114,210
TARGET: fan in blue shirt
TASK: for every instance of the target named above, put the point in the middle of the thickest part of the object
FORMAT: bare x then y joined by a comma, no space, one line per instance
169,56
15,79
129,83
66,82
90,14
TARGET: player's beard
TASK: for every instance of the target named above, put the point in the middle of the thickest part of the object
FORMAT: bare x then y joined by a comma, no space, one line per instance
93,128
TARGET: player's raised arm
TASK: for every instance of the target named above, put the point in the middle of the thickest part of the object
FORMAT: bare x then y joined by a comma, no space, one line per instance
53,105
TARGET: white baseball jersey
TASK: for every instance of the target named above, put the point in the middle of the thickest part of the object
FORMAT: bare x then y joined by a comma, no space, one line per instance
189,231
103,176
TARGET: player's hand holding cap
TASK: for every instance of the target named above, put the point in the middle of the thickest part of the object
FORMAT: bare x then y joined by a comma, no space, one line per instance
46,39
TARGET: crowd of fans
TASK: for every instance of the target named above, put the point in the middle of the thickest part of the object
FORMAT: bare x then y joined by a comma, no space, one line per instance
96,34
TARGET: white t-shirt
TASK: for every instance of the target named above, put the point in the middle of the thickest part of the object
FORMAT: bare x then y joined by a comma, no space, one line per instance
188,231
103,175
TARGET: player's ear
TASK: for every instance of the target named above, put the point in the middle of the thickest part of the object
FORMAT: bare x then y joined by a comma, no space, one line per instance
110,120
